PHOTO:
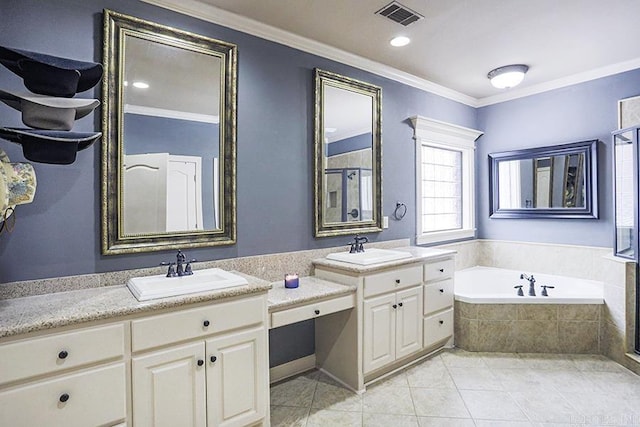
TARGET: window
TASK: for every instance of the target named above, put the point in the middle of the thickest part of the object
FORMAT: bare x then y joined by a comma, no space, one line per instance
444,180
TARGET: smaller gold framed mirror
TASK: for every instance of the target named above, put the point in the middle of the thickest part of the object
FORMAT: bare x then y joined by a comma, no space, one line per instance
348,155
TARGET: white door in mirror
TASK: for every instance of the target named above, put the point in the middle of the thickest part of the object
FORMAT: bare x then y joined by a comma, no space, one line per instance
160,286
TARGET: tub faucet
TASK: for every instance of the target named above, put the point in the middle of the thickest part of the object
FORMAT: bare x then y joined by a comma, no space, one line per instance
532,282
544,290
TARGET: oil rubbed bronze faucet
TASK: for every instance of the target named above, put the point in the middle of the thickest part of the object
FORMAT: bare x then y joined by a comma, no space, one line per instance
183,268
357,244
532,282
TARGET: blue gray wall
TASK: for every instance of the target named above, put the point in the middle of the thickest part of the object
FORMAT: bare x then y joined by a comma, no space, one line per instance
575,113
59,233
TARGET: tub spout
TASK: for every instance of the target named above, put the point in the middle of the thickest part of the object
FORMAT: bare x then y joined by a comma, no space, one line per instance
532,282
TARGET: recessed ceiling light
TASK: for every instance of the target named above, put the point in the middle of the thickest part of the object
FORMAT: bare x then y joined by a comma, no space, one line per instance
126,83
508,76
330,130
141,85
400,41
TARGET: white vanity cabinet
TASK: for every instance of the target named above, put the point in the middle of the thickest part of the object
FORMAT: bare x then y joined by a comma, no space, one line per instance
438,302
72,378
206,366
392,321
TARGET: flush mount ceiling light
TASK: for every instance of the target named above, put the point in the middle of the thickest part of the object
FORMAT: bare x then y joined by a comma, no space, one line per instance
400,41
508,76
141,85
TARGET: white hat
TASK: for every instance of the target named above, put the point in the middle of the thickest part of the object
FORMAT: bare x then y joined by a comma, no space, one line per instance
17,184
48,112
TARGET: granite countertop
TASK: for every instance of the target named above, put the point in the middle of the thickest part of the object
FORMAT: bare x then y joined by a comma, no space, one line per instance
418,253
41,312
309,289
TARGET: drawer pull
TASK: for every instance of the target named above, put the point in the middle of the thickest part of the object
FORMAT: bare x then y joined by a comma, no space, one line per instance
441,270
398,281
64,397
400,304
316,312
200,362
206,323
394,306
442,291
441,322
213,359
63,354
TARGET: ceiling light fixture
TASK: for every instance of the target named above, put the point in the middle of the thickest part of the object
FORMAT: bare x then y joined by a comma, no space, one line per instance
400,41
141,85
508,76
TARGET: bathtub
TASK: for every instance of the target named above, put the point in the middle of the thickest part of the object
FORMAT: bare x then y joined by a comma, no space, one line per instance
489,285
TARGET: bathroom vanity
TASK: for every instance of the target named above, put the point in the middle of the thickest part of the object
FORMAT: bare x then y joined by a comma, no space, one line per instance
404,312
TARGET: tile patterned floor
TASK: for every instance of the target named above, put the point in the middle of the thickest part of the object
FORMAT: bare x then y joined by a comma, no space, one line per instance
464,389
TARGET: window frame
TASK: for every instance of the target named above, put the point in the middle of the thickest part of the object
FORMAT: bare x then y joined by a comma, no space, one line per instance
438,134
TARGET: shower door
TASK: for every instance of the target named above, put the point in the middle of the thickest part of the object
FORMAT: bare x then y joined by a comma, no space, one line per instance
350,196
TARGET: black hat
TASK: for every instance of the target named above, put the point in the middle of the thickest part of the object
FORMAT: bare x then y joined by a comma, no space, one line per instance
51,75
50,146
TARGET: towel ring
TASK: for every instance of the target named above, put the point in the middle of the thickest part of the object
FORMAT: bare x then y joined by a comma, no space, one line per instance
400,207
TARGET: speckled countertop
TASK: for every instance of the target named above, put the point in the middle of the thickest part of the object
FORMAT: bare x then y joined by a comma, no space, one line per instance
418,254
309,289
35,313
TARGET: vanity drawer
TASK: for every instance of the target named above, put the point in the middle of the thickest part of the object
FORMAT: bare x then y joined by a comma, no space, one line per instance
392,280
437,327
93,398
438,296
439,270
163,329
312,310
37,356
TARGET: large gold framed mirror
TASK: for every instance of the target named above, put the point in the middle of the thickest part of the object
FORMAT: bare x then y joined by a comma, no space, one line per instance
169,138
348,155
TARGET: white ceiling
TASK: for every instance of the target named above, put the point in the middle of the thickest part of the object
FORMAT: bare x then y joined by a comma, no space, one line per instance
458,42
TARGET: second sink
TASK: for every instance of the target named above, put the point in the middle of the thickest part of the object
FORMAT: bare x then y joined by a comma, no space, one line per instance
369,257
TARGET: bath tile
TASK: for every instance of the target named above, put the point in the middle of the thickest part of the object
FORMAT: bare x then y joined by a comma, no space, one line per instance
540,312
296,392
439,403
288,416
466,310
445,422
592,404
496,423
579,336
579,311
475,379
612,382
336,398
431,373
540,361
466,333
497,335
323,418
548,407
461,359
536,336
388,400
565,381
519,379
502,360
398,379
497,311
489,404
384,420
595,362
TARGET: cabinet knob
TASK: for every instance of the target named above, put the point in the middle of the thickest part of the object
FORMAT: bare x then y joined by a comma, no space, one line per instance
398,281
442,291
213,359
441,270
316,311
64,397
441,322
206,323
200,362
63,354
400,304
394,306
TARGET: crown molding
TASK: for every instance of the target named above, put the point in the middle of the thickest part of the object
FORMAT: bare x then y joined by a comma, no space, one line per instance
243,24
585,76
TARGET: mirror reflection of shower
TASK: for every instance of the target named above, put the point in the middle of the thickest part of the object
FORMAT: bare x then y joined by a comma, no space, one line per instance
350,194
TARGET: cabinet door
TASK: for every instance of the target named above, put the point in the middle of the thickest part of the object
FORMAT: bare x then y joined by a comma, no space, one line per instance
408,321
237,382
379,332
169,387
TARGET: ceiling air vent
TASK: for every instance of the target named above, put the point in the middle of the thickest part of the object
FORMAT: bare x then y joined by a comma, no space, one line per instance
399,13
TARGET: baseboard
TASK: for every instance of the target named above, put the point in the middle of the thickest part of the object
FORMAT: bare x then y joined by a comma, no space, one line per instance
289,369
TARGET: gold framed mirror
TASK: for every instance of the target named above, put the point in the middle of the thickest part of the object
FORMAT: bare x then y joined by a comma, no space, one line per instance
169,138
348,155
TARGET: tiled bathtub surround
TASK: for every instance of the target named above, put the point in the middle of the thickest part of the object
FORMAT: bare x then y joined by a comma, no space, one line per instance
528,328
616,330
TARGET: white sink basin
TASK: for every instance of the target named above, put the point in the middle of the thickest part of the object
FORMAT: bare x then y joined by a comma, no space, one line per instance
369,256
160,286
